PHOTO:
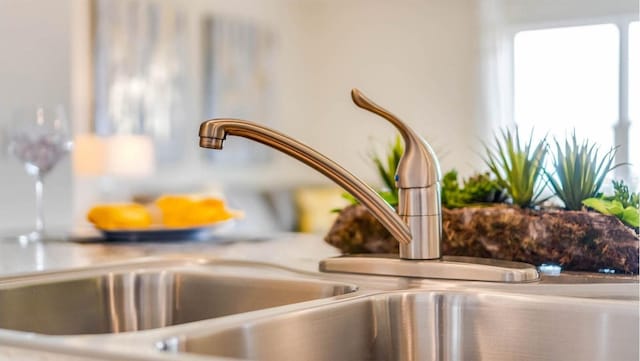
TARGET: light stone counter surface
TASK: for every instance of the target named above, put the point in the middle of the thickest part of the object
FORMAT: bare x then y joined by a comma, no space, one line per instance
295,250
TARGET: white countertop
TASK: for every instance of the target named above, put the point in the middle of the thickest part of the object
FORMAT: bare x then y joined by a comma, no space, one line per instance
296,250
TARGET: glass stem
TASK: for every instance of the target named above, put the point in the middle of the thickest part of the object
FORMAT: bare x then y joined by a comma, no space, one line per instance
39,205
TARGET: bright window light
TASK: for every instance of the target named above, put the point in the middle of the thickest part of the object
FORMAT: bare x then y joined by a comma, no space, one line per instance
566,79
634,97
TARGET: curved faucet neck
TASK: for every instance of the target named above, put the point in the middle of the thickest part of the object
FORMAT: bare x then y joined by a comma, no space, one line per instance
213,133
418,224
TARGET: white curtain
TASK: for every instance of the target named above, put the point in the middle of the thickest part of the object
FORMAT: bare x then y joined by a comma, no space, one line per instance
496,93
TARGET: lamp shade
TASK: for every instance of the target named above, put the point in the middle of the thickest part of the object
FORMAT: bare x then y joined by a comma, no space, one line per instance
124,155
130,155
89,155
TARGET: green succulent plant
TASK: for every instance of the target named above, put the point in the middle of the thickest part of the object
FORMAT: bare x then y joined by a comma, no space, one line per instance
579,171
518,167
622,204
482,189
477,189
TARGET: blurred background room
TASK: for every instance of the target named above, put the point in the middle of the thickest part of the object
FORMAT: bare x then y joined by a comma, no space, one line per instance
137,77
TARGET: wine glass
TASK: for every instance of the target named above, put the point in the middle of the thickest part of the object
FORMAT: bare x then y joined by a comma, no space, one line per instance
39,138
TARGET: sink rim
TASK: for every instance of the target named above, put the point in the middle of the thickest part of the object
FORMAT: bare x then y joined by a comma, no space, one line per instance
173,261
224,274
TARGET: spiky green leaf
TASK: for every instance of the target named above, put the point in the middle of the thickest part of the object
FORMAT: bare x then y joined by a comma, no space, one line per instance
579,171
518,166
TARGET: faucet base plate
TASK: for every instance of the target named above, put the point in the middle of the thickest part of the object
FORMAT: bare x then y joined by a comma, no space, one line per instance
447,267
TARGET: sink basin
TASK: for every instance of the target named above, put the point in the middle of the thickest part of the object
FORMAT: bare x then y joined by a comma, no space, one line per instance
114,301
238,303
433,325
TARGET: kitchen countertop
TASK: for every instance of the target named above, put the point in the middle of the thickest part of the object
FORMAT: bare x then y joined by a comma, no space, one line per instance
296,250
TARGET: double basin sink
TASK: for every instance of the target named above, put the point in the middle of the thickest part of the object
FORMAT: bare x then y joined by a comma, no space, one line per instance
197,309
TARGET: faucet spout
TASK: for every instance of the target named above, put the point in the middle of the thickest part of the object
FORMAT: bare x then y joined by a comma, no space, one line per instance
214,132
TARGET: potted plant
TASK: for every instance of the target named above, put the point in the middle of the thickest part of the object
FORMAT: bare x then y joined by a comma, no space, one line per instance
502,213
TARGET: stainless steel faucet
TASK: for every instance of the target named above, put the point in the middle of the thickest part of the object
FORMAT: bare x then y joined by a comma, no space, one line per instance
417,225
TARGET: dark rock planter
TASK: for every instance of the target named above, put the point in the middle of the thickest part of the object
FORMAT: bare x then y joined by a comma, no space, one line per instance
576,240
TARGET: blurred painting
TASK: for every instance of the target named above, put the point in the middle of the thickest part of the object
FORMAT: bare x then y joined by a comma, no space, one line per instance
140,72
238,68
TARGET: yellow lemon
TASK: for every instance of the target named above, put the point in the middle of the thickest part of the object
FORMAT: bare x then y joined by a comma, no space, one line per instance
120,216
185,211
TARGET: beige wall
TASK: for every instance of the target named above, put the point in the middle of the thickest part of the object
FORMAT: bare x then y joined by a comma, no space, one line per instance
418,58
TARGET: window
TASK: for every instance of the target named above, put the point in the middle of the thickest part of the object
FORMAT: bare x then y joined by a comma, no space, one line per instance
566,78
575,78
634,97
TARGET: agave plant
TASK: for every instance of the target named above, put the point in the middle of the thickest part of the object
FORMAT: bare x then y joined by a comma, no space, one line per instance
518,167
579,171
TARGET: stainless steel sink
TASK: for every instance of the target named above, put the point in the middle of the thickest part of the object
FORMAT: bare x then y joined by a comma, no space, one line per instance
433,325
146,297
250,310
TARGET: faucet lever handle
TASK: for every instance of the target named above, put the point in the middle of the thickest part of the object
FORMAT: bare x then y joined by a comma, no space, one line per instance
367,104
418,167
